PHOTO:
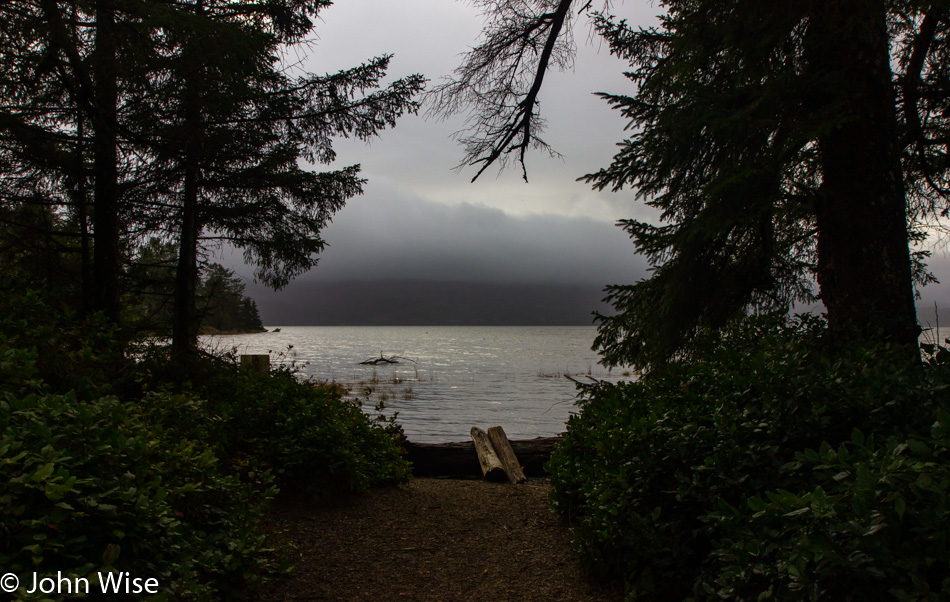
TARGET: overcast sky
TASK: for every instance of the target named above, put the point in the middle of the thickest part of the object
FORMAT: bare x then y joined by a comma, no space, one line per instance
420,220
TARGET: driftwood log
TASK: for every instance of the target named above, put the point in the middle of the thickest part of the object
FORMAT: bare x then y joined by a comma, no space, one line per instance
501,445
459,460
492,468
375,361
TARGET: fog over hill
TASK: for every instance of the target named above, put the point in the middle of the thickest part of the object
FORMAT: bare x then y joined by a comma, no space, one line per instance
406,260
423,245
406,303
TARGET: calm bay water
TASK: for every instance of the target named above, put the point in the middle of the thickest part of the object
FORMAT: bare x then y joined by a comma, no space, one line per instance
932,335
448,379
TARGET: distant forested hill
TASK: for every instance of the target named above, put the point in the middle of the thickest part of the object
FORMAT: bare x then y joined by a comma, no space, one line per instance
222,305
408,303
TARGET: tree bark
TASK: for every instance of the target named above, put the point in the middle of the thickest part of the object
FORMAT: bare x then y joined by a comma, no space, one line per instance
864,270
106,252
184,314
184,320
499,442
82,218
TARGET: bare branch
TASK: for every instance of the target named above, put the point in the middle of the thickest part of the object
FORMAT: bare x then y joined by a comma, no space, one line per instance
499,81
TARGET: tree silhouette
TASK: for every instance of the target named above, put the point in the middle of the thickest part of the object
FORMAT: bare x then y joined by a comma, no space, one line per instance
182,119
773,142
235,129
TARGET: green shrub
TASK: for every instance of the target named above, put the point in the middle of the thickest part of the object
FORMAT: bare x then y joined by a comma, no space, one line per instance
108,464
306,433
89,486
645,465
873,528
66,353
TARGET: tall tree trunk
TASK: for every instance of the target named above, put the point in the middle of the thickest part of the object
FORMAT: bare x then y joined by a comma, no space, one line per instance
864,270
80,191
106,256
185,319
82,217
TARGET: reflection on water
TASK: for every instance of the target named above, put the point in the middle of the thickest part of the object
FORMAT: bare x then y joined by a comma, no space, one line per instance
448,379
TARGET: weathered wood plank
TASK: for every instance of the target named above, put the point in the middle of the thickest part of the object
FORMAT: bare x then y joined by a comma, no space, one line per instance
255,363
492,468
499,442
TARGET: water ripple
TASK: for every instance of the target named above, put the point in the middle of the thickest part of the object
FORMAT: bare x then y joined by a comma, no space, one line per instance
451,378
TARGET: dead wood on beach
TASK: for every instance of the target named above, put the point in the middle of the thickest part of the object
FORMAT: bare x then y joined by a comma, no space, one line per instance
459,460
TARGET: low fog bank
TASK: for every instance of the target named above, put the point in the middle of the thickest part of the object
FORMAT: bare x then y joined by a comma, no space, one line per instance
404,303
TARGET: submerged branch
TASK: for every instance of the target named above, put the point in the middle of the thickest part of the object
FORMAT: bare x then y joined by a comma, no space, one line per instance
376,361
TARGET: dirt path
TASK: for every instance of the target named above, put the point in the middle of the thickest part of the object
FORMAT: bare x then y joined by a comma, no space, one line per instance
434,539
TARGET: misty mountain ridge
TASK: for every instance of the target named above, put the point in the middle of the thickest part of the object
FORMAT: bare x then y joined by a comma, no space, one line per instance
433,303
412,303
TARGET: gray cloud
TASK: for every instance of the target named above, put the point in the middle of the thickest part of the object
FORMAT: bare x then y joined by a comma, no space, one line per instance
395,259
404,238
418,155
420,222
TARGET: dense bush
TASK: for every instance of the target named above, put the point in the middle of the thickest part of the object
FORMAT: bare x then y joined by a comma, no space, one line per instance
873,528
90,486
650,472
106,466
306,433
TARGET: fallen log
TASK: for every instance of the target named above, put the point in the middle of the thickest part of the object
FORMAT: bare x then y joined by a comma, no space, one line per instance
499,442
459,460
492,468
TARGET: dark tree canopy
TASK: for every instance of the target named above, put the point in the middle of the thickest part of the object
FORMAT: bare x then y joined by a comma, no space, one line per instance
777,144
182,119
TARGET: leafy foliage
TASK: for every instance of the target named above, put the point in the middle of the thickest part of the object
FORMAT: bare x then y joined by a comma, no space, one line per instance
665,460
102,468
184,120
748,134
90,482
223,304
873,528
306,433
97,485
784,148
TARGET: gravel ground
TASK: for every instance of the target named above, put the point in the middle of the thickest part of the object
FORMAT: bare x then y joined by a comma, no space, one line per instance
433,539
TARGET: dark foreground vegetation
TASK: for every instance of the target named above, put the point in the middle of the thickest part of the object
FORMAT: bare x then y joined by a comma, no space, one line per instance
105,465
767,467
793,154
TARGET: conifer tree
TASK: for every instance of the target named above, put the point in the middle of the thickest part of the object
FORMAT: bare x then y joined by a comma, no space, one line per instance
235,127
180,118
777,144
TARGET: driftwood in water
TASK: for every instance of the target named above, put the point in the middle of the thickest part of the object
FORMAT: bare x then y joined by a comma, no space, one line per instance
492,468
375,361
509,460
393,359
459,460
